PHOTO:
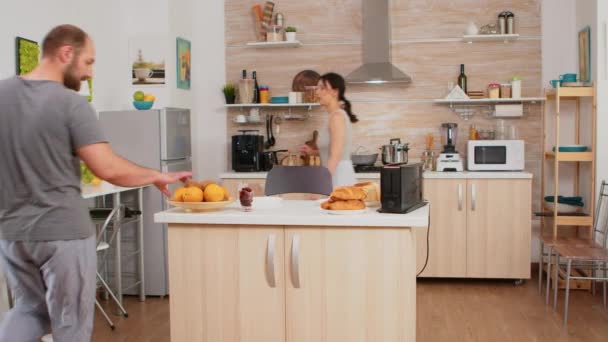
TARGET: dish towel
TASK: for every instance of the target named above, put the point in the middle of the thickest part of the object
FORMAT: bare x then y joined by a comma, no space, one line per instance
575,200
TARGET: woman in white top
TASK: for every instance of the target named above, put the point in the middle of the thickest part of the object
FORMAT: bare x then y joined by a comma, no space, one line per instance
335,141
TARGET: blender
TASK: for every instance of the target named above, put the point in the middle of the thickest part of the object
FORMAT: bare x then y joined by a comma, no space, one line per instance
449,159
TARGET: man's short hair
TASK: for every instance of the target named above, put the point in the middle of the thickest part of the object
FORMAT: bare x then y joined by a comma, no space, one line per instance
63,35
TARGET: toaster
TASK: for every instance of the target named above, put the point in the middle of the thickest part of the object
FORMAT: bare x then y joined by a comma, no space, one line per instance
401,188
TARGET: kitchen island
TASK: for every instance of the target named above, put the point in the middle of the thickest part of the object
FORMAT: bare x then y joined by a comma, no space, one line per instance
291,272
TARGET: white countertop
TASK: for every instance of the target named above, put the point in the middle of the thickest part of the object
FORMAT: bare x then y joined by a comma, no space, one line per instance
427,174
294,213
478,175
105,188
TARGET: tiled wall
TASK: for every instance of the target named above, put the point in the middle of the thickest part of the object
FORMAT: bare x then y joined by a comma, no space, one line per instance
426,45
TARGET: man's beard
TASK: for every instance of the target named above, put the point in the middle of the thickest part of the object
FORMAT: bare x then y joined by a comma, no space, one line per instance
70,80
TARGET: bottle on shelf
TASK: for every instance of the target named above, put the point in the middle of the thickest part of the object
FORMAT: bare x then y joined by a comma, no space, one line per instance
462,79
256,88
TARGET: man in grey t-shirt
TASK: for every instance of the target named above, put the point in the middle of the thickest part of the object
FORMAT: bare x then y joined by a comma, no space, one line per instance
47,240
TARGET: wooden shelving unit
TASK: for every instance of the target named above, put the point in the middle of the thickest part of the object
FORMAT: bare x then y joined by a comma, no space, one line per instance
554,221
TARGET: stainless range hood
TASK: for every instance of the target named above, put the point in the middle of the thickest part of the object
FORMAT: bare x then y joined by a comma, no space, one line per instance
377,67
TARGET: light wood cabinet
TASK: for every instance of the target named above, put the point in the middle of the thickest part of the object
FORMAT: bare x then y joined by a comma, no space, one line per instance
352,284
228,283
448,235
479,228
301,284
499,228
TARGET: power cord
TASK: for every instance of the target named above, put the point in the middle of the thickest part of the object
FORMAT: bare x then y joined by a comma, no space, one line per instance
428,245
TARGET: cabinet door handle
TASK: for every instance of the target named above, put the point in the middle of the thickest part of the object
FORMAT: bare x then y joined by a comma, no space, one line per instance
295,261
459,197
270,251
473,197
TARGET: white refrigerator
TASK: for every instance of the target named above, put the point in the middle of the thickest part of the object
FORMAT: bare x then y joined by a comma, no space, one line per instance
158,139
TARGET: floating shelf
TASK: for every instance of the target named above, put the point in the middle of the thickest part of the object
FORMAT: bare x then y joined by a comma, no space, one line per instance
272,105
462,106
490,38
571,156
268,45
488,101
573,92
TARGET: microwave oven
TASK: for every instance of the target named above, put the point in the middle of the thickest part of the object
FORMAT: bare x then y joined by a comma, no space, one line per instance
496,155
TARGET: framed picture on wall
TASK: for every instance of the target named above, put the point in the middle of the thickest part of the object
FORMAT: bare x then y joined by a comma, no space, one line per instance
27,53
147,60
183,61
584,54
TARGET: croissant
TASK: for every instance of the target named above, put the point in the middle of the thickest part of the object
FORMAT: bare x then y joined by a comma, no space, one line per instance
325,205
347,205
345,193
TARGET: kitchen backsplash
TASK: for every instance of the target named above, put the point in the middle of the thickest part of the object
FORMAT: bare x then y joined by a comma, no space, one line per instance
426,45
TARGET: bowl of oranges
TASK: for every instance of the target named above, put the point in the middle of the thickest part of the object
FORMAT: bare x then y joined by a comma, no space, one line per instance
201,196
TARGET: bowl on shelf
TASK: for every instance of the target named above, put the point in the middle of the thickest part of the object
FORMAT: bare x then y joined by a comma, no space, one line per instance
143,105
279,99
563,208
571,148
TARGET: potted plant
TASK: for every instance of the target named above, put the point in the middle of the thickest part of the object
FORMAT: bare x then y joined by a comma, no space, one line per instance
290,33
229,91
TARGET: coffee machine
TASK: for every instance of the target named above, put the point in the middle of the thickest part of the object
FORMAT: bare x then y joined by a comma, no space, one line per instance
449,159
247,148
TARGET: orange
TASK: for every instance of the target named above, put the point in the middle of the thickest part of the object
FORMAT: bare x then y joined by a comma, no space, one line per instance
178,195
193,194
226,194
214,193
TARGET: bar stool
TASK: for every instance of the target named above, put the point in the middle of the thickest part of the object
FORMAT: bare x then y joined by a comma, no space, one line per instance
103,246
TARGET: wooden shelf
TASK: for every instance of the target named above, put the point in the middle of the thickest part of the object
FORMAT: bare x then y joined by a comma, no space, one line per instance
552,186
571,92
572,220
488,101
490,38
268,45
571,156
271,105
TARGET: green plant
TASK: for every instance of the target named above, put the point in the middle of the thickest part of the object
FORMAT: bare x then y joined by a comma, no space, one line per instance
229,90
291,29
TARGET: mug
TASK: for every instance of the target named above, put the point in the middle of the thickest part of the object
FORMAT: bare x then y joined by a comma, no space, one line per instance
568,77
143,73
554,83
254,115
240,118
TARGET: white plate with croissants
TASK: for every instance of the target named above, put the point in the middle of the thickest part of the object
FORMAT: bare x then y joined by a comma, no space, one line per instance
351,200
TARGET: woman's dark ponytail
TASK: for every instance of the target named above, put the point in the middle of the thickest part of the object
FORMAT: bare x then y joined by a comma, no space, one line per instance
337,82
348,109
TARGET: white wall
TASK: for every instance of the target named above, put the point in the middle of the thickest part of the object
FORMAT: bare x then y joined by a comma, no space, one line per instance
208,51
602,91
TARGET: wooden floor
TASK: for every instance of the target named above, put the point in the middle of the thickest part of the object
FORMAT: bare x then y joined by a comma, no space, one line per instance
448,310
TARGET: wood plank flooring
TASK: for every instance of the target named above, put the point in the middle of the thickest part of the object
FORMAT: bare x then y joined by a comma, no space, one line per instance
447,310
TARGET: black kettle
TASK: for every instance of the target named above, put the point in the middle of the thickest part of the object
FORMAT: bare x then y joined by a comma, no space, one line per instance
268,159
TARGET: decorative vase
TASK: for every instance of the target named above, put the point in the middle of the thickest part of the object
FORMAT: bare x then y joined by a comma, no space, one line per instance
291,36
472,29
